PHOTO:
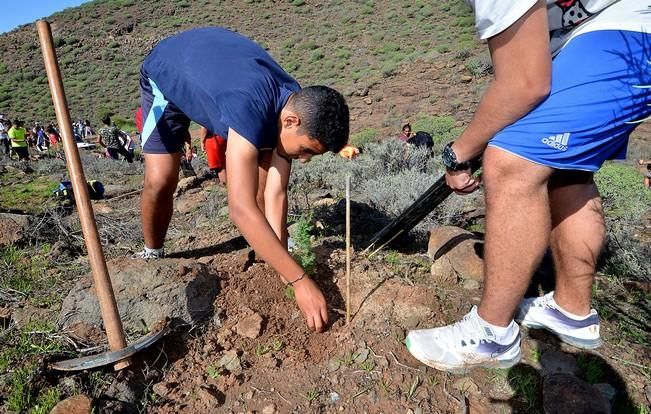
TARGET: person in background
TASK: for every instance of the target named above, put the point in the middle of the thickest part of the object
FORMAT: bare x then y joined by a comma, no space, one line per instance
215,148
405,133
111,138
4,136
647,174
88,130
18,136
53,137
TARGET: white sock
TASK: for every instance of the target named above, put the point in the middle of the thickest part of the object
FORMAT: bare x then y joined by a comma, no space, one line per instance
159,251
503,334
568,314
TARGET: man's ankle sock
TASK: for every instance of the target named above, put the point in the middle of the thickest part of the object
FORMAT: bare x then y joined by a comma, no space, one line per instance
570,314
503,334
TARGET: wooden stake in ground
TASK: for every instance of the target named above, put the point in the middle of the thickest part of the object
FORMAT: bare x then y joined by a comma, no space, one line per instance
101,279
347,249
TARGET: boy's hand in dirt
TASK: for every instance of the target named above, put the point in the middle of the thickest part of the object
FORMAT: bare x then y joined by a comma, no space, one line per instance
311,302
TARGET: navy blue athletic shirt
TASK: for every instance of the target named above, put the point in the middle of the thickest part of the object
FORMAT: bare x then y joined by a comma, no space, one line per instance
221,79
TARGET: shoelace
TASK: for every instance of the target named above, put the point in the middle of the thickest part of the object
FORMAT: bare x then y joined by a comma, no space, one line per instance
467,329
546,301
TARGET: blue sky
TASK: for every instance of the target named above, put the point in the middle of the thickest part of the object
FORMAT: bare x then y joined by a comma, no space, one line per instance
17,12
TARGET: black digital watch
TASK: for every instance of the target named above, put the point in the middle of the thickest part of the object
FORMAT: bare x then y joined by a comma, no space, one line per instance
449,159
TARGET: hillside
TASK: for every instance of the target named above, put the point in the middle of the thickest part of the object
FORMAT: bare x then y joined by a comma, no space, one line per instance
351,45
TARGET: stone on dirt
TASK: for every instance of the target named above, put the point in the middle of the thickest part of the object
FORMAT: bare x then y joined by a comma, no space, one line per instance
12,228
78,404
146,292
269,409
230,361
463,249
250,326
565,393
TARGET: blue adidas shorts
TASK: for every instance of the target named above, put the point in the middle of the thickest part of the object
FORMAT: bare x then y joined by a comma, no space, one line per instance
165,127
600,91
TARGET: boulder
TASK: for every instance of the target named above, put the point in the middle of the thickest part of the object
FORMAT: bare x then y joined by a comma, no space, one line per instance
146,292
463,249
13,228
77,404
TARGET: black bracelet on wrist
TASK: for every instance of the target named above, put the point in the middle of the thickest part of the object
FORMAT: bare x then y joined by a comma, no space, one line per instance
294,281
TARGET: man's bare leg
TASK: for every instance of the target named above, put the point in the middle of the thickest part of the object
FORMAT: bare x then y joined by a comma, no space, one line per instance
156,200
577,236
518,225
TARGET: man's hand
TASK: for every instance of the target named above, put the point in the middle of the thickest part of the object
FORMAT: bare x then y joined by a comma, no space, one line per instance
462,182
311,302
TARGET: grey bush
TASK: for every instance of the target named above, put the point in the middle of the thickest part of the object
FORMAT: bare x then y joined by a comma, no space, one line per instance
388,176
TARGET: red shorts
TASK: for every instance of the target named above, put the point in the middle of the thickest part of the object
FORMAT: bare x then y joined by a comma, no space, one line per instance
216,152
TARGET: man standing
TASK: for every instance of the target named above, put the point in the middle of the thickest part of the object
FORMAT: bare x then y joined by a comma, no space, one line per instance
544,125
230,85
18,136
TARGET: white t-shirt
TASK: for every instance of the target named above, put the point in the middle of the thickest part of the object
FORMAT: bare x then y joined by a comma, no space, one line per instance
567,18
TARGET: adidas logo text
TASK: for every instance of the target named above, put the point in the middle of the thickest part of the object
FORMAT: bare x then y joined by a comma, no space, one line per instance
558,142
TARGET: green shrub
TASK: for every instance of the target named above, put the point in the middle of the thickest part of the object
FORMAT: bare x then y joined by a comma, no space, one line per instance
479,65
363,137
302,236
622,191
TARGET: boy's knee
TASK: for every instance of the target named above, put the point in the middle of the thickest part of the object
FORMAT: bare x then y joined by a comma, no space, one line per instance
159,184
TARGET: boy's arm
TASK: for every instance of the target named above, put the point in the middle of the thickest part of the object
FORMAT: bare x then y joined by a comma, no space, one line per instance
275,195
242,177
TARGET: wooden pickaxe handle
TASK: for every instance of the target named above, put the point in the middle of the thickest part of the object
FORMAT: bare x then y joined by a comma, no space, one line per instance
101,278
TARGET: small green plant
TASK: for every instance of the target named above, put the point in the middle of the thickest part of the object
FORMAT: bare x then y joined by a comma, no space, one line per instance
526,385
213,372
367,366
433,381
262,349
276,345
20,394
413,388
536,354
392,258
348,359
311,396
46,401
304,253
289,293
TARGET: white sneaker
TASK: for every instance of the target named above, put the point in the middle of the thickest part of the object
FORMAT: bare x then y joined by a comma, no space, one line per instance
148,253
466,344
544,313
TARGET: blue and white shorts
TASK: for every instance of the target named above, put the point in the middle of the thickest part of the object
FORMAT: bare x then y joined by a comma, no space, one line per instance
165,127
600,91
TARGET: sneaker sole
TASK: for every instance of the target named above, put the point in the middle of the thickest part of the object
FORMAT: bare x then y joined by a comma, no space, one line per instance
464,369
570,340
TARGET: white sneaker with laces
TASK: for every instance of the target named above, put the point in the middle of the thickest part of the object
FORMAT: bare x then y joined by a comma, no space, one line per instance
544,313
464,345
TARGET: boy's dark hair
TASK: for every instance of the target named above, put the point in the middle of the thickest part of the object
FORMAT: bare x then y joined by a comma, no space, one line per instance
106,120
324,115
